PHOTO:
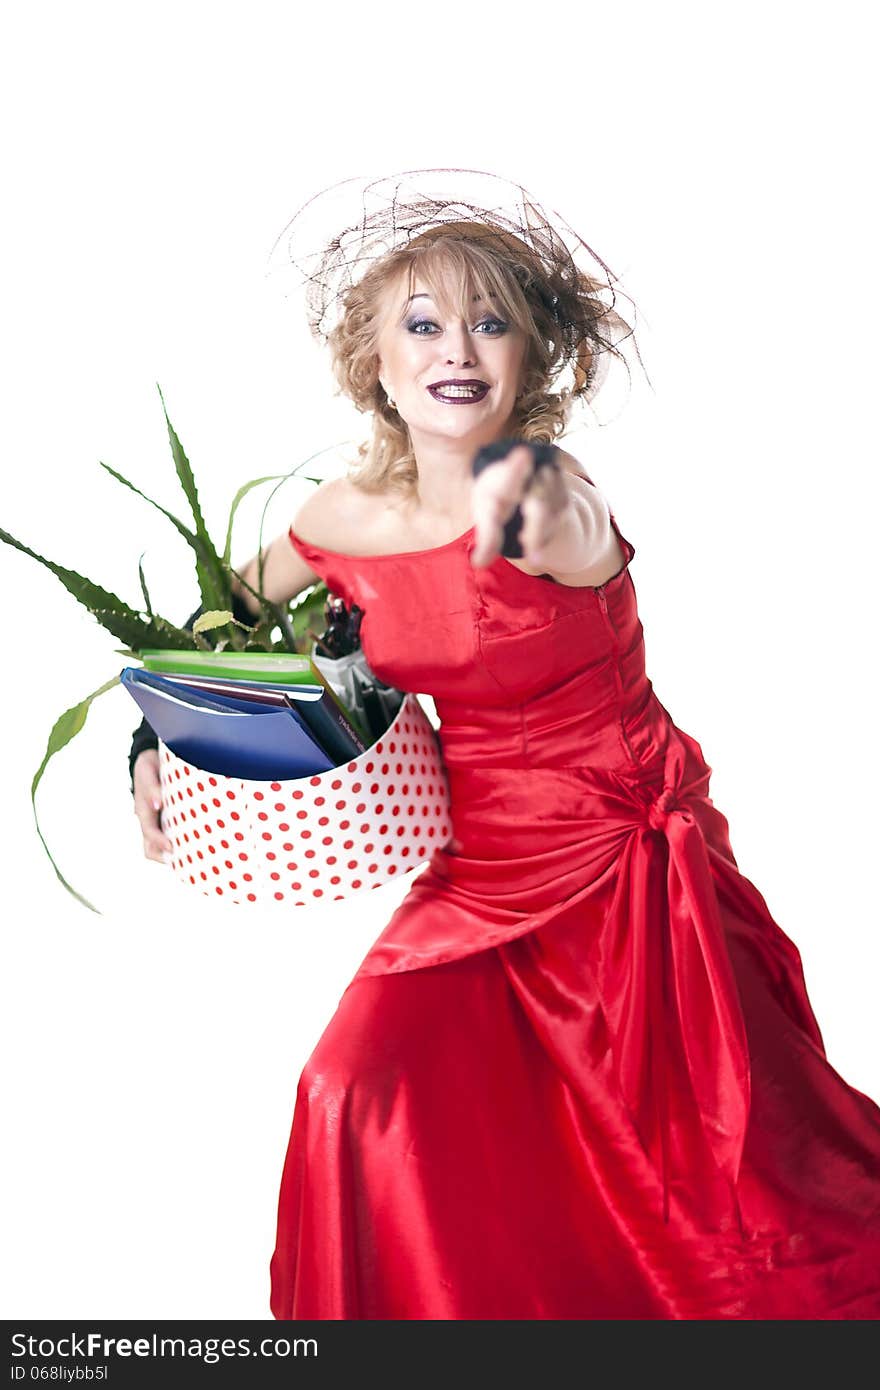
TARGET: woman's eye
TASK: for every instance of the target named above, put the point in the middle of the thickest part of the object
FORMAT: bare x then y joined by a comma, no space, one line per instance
497,325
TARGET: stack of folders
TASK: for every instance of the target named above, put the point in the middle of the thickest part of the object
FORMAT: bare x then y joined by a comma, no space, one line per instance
260,715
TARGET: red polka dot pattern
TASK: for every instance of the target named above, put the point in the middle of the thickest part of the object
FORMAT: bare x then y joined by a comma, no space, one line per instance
312,838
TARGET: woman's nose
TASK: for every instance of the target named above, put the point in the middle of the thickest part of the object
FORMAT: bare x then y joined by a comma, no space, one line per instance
460,345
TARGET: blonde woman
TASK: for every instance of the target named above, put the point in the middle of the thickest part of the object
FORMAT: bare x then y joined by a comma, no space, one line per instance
578,1075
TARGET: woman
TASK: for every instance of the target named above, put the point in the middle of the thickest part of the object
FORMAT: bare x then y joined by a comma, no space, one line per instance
578,1074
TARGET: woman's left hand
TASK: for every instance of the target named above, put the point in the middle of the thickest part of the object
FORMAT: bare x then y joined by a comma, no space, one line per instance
504,485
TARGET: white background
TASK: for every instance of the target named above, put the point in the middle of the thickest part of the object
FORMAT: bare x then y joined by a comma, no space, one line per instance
718,158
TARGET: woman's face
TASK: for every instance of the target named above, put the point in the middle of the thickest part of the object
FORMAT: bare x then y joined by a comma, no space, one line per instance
419,349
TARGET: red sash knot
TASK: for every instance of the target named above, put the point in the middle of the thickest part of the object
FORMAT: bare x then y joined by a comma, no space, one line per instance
665,977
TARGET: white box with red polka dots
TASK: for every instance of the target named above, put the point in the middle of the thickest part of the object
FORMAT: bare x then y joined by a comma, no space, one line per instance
315,838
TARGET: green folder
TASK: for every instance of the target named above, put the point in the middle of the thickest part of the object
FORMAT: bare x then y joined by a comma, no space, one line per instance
277,668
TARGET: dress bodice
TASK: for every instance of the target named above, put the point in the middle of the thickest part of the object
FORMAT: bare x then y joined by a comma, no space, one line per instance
523,671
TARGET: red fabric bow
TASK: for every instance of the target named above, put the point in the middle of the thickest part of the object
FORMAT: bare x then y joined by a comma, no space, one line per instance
661,959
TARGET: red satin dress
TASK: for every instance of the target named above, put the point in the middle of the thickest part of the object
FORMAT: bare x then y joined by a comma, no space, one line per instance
578,1075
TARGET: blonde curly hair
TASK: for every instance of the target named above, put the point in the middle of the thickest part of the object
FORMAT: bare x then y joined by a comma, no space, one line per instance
562,317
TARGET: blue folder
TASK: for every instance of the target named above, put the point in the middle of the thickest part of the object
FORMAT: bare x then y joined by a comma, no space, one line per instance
232,737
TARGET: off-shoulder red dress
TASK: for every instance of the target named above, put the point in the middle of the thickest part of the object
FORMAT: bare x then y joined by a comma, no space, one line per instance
578,1075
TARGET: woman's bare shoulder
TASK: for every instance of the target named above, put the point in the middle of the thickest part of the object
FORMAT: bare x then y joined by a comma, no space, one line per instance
573,465
334,514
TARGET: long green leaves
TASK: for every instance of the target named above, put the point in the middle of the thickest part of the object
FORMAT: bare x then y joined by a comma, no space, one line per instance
66,727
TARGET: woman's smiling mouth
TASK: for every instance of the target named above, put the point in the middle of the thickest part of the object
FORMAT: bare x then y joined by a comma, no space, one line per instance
464,393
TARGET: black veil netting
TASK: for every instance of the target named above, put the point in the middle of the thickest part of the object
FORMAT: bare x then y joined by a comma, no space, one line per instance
341,231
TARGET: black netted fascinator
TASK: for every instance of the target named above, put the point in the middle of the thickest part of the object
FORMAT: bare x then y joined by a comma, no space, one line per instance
339,233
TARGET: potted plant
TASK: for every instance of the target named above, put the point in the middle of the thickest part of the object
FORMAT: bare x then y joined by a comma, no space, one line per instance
279,628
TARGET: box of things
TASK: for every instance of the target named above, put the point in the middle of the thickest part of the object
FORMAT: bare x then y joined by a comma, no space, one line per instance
307,839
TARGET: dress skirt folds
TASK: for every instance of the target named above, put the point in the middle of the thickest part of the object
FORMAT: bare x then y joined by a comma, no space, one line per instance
578,1075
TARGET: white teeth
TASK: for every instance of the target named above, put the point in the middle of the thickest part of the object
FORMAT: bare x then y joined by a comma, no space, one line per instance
458,390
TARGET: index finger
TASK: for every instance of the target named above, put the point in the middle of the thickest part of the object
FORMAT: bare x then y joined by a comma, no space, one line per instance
495,500
492,471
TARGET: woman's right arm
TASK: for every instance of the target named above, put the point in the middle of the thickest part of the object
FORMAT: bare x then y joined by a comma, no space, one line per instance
285,574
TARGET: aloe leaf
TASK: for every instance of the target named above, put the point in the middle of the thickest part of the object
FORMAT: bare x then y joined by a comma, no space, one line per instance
202,553
213,579
188,535
170,635
111,612
65,728
88,593
131,628
184,471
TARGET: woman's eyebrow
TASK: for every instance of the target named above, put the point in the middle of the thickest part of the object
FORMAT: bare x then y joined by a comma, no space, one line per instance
427,296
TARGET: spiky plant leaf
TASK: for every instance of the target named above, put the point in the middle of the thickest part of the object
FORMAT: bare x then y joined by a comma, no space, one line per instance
212,578
188,535
131,628
203,557
111,611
